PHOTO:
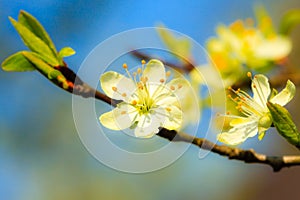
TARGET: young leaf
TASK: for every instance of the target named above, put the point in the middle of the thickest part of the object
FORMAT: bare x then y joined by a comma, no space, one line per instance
35,44
289,21
17,63
284,124
39,64
36,28
65,52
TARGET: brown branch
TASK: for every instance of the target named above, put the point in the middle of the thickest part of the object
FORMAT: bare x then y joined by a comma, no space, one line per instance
248,156
80,88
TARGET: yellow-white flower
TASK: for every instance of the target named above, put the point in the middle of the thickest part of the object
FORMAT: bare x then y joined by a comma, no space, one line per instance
257,117
148,102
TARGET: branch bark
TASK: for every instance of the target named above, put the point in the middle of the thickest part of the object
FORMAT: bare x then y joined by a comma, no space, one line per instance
248,156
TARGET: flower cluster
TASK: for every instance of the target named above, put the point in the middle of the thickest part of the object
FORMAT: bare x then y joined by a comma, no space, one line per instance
243,45
149,101
256,115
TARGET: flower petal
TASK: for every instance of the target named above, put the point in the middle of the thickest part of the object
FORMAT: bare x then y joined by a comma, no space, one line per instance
122,117
147,126
240,132
123,85
261,90
155,71
274,49
283,97
170,117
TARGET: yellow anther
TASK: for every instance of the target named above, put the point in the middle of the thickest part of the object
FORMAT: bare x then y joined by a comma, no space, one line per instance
179,86
134,73
144,79
229,88
140,85
123,112
114,89
172,87
124,95
139,70
254,85
162,80
125,66
249,74
168,109
229,96
143,62
168,73
134,102
228,113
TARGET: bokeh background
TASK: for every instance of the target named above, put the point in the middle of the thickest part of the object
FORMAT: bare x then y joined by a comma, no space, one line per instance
41,156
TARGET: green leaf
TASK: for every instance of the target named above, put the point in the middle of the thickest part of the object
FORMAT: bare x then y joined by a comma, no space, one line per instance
289,21
17,63
284,124
66,51
35,44
52,74
36,28
39,63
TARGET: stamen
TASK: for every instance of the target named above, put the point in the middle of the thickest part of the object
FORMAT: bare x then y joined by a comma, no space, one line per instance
125,66
143,62
124,95
168,74
123,112
179,86
172,87
114,89
139,70
162,80
168,109
249,74
134,102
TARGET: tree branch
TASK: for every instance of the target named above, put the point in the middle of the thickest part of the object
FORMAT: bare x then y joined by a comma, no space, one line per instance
248,156
80,88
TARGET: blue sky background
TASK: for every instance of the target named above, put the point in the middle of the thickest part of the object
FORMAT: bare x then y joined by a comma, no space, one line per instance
41,154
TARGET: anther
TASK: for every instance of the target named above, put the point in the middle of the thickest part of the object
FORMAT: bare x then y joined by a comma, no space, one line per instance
143,62
114,89
168,109
172,87
139,70
123,112
162,80
179,86
124,95
249,74
168,73
125,66
134,102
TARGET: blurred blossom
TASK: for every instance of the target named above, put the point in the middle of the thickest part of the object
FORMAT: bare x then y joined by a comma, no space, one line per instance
245,45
